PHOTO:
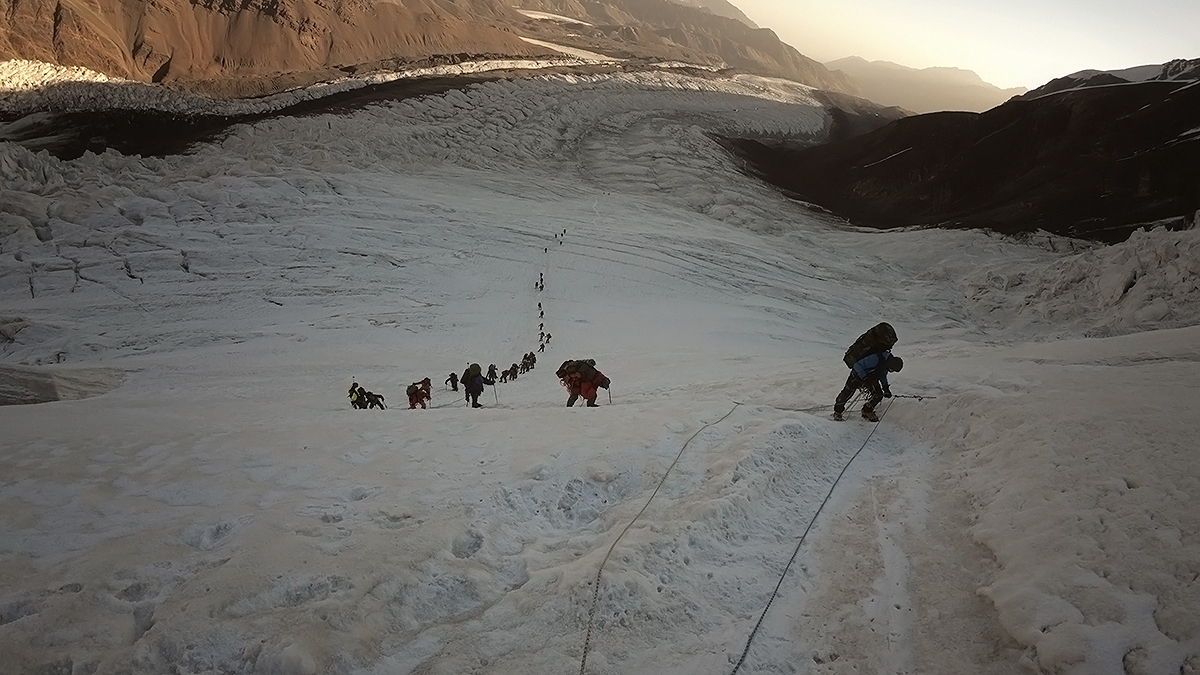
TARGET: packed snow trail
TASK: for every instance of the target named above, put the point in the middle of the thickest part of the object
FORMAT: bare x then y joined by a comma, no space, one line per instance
800,542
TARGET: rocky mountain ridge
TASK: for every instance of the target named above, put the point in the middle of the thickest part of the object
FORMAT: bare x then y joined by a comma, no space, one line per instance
922,90
230,48
1178,69
1094,162
661,29
181,42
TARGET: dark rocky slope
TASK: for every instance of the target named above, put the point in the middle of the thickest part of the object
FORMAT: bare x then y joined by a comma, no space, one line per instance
1094,163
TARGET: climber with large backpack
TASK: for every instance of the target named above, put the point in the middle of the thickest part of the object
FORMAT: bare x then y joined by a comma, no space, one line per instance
582,379
870,360
418,393
474,381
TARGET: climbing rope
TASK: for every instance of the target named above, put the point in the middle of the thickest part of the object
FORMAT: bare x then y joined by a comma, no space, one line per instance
587,640
800,543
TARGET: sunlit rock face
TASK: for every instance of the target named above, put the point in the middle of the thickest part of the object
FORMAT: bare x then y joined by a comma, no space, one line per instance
263,46
176,41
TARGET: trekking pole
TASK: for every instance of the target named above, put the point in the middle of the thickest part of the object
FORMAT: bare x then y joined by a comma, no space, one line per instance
609,396
495,394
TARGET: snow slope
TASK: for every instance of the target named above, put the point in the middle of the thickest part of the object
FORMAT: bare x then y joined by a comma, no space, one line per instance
223,510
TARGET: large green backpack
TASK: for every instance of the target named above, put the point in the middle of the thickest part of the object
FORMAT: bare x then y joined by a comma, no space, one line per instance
881,336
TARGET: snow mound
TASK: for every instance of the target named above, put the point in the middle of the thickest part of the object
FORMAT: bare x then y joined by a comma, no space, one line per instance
1150,281
27,384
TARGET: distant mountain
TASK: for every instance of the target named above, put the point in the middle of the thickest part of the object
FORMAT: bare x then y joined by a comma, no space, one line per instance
1179,69
1093,162
922,90
665,30
720,8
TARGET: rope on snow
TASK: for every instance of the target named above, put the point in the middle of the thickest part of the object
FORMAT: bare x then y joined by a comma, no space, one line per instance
587,640
800,543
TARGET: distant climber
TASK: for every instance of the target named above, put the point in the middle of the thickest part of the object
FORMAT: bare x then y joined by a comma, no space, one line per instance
419,393
358,396
362,399
375,400
453,381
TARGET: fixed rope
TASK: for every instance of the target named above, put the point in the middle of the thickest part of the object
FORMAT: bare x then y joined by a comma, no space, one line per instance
587,639
800,543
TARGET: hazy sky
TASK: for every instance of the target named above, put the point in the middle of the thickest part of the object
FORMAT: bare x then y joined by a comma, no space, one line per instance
1009,43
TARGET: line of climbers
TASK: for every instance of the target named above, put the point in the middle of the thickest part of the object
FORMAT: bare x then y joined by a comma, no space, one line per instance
362,399
870,359
580,377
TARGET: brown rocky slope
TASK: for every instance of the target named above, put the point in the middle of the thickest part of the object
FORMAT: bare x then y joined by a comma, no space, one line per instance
250,47
181,41
668,30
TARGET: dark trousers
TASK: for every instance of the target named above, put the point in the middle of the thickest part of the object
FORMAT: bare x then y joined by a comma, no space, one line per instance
591,402
474,398
853,384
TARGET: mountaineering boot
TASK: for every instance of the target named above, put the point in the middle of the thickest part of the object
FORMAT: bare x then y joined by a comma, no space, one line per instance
869,415
837,416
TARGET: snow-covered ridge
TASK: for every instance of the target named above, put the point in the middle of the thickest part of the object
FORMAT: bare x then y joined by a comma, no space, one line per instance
546,16
1177,69
32,86
29,86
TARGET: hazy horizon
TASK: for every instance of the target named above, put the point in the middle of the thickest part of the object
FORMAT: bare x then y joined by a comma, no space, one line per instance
1020,44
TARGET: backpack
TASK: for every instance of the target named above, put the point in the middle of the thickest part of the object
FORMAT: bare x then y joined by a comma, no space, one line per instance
881,336
587,371
566,369
412,390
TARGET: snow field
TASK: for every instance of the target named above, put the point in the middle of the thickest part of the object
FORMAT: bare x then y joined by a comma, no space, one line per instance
223,510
